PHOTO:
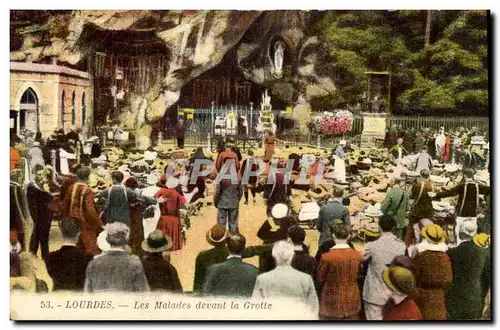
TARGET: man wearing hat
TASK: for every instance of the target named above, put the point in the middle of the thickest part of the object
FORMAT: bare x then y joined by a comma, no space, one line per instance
161,274
216,237
471,264
334,209
67,265
233,277
117,270
401,283
432,269
395,204
378,254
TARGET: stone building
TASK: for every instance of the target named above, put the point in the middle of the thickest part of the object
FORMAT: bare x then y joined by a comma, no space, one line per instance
46,97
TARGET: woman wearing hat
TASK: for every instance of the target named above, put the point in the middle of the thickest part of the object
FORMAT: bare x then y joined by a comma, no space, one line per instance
161,275
400,307
432,268
170,221
272,230
471,263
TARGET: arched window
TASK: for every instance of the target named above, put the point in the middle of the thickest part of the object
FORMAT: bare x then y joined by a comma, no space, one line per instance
84,110
63,107
73,110
28,111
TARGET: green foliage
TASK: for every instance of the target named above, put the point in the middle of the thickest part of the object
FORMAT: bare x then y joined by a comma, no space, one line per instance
451,73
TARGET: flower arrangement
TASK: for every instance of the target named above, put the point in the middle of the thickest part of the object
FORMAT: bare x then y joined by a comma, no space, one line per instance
338,122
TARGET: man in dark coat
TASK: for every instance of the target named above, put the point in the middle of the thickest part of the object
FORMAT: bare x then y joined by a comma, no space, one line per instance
39,206
118,198
468,196
216,237
302,260
161,275
233,277
180,130
67,265
390,137
329,212
471,262
227,201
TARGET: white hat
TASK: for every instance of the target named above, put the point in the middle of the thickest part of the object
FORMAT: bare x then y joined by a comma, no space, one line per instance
372,211
152,179
172,183
279,211
102,243
468,228
36,144
343,142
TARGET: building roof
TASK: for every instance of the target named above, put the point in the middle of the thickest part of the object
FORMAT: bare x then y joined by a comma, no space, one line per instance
47,68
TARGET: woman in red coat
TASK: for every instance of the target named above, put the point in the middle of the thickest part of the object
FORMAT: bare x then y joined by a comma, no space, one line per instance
433,272
400,306
338,273
170,221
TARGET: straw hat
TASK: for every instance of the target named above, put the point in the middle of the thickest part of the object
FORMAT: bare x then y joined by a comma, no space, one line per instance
217,235
399,279
279,211
433,234
156,242
172,183
371,230
482,240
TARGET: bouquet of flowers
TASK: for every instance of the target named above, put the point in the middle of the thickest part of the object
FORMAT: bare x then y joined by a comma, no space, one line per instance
337,123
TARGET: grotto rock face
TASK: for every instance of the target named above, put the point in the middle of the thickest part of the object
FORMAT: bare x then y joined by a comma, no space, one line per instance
197,41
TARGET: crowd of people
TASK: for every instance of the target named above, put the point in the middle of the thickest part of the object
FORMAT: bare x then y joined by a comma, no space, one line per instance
404,233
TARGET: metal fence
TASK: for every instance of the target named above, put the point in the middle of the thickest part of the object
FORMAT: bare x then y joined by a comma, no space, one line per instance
449,123
204,119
